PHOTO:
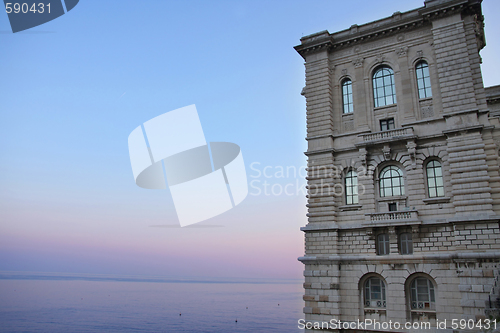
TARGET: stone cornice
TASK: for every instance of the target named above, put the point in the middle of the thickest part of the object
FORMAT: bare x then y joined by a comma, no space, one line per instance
395,24
449,256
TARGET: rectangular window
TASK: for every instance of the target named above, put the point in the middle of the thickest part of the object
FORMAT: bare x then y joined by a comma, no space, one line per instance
387,124
383,244
405,243
393,207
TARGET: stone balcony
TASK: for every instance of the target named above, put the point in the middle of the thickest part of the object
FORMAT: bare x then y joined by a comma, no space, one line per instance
398,134
403,217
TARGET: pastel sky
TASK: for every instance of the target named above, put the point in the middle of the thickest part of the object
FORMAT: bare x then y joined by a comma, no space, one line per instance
73,89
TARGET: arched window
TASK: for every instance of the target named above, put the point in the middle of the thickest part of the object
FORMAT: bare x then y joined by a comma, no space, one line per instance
384,90
405,243
374,293
422,294
347,96
423,80
435,184
351,188
391,182
383,245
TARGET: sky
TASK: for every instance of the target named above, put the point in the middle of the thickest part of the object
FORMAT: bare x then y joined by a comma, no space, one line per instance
73,89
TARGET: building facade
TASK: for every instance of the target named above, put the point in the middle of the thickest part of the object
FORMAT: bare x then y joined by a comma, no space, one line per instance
403,170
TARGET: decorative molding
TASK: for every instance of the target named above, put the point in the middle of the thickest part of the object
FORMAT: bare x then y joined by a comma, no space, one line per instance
344,71
379,59
348,126
358,62
363,156
402,51
387,152
412,150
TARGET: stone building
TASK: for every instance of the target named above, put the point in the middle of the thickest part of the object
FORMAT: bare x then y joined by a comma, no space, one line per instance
403,170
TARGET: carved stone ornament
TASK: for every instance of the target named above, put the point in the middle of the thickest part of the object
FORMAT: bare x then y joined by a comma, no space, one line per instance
379,59
344,71
412,152
420,54
479,30
387,152
363,156
303,92
357,62
331,69
402,51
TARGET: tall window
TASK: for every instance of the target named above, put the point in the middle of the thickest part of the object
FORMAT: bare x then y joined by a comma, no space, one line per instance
347,96
423,80
351,188
384,91
374,293
383,247
422,294
435,184
391,182
405,243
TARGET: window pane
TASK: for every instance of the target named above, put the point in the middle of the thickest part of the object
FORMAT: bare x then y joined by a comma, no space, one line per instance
395,182
427,82
425,70
387,81
439,181
396,191
440,191
428,92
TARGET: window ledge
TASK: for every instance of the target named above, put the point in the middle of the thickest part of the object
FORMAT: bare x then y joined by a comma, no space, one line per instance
375,310
425,99
422,311
388,106
350,207
437,200
394,198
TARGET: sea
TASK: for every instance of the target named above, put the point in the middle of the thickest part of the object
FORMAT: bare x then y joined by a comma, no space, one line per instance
51,302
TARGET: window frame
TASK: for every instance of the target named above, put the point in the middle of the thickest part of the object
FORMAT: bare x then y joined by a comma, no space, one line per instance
405,245
347,83
351,186
389,123
383,244
368,286
439,190
382,182
414,294
384,75
422,75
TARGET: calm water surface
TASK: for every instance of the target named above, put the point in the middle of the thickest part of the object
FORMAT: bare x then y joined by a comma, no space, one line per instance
42,303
